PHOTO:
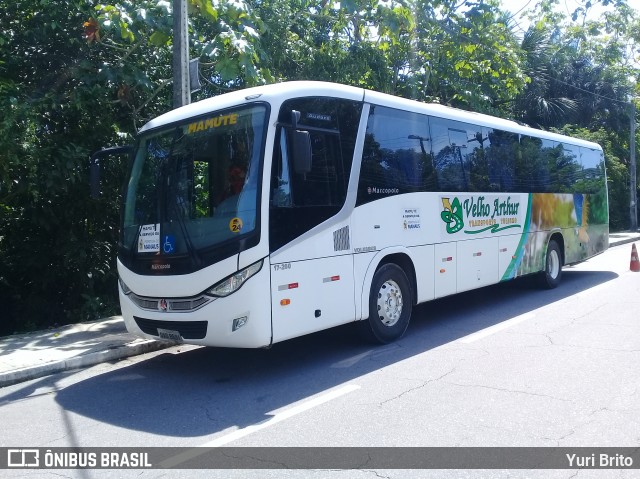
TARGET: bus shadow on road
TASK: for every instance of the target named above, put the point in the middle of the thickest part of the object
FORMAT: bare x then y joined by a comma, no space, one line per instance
205,391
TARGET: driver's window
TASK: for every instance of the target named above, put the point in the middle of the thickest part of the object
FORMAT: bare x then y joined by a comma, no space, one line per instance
323,186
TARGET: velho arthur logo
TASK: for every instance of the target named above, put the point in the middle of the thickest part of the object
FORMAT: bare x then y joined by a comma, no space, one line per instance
477,214
452,215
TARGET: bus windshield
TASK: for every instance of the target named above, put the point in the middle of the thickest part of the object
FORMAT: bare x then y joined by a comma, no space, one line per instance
194,185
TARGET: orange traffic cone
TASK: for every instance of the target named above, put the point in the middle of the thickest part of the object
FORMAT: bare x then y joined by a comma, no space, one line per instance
635,264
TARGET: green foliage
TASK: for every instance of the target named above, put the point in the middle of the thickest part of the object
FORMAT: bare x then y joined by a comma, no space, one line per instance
579,71
462,53
54,114
76,76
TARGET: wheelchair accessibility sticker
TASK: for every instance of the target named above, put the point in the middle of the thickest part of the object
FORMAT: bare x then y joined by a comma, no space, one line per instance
168,244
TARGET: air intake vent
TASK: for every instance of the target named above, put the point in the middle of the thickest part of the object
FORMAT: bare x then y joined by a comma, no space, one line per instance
171,305
341,239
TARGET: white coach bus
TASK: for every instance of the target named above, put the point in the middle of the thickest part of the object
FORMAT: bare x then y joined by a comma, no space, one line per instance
273,212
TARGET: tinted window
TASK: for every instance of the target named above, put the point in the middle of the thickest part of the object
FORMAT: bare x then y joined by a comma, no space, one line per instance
592,180
301,200
338,117
397,155
466,157
326,183
564,167
532,159
477,156
501,148
457,150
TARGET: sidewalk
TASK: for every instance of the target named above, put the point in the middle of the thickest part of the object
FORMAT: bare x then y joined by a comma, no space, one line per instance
33,355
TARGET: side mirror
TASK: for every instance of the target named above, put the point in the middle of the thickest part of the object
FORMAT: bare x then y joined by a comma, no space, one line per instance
301,150
300,146
94,166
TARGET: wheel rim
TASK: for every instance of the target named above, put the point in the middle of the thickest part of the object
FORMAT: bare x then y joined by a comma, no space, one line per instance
389,303
554,264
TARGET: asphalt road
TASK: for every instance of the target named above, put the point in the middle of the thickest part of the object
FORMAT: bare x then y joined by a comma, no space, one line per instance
507,365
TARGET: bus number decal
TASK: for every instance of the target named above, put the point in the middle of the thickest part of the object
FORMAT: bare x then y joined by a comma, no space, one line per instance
281,266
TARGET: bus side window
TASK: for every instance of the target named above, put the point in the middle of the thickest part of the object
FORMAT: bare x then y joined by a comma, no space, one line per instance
500,147
477,159
397,155
592,172
449,140
323,185
532,165
566,170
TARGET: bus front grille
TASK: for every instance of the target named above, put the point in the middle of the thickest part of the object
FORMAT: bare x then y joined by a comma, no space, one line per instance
177,305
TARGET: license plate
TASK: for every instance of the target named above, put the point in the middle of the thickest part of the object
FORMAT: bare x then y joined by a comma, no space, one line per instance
170,335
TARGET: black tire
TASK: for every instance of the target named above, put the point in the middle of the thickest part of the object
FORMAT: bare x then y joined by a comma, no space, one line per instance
552,274
390,305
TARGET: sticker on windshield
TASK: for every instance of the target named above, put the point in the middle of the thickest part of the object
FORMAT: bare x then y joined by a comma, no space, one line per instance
149,239
235,225
168,244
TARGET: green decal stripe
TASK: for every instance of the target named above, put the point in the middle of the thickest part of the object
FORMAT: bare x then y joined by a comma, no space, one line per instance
508,274
493,228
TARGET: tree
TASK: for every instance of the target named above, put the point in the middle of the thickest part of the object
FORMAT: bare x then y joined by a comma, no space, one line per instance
582,72
466,54
74,77
56,248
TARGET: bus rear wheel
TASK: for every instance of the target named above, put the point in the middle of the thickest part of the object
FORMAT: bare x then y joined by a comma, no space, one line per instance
390,305
552,266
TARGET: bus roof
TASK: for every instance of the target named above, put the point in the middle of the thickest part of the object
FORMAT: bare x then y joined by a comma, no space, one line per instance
278,92
274,93
442,111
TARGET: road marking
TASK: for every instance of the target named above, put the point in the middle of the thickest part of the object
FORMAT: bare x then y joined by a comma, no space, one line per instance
496,328
347,363
288,413
277,418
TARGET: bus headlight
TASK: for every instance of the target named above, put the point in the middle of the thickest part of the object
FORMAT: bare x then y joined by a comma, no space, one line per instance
232,283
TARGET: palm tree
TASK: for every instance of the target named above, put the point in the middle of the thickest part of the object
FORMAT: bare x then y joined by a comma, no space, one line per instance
545,101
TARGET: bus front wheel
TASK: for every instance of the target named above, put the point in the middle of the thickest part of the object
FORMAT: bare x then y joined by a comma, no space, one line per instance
552,266
390,304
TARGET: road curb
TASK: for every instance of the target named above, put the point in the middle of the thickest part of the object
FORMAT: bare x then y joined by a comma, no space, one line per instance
623,242
85,360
